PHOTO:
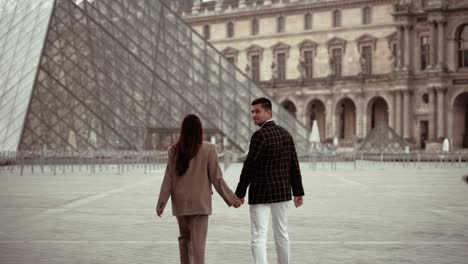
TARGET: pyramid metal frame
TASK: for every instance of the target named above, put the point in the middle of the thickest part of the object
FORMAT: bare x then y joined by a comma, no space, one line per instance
382,139
113,70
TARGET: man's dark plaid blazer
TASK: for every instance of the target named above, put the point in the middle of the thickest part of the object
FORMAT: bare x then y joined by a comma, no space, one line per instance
271,168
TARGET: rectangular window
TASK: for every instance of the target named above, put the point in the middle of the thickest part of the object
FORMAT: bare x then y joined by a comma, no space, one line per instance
336,18
307,21
206,32
366,15
255,27
425,51
231,60
308,60
336,62
281,60
366,56
280,24
230,30
255,61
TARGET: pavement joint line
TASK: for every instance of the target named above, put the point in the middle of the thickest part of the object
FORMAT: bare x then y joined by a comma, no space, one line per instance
98,196
68,206
448,213
238,242
351,182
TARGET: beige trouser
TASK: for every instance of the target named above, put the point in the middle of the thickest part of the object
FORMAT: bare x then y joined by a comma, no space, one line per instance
193,231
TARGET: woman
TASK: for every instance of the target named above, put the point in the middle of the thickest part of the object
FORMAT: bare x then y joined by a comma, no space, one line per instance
191,169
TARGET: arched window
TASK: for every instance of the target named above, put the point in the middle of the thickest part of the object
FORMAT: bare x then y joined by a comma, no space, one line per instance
206,32
336,18
230,30
255,27
307,21
463,47
280,24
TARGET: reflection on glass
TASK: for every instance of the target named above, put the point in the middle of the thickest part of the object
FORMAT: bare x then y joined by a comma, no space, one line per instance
23,26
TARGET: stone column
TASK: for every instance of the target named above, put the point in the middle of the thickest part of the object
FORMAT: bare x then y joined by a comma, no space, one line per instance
267,3
330,119
441,45
406,115
391,114
408,47
432,44
440,113
400,47
398,107
360,115
431,119
301,114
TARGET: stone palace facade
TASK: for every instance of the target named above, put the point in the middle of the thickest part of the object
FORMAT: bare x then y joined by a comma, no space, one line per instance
349,64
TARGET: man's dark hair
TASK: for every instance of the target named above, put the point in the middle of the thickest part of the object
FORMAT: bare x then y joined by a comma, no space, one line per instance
265,102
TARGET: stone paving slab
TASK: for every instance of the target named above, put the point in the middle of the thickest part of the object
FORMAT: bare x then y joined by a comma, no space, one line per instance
371,215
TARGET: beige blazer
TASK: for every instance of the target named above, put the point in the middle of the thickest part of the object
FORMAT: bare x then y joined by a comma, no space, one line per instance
191,193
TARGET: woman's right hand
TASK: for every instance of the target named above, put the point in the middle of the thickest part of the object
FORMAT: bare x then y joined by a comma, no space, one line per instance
238,203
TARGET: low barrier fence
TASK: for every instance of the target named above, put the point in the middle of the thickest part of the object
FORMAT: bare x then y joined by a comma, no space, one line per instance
362,160
89,162
119,162
114,162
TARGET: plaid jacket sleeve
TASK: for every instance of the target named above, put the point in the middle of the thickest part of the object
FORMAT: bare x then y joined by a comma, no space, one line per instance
255,148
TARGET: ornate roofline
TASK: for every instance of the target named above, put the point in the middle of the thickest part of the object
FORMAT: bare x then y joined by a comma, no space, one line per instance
285,9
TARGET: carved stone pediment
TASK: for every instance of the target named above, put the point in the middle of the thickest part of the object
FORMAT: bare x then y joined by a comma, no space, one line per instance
308,44
229,51
336,42
280,46
392,37
366,39
254,48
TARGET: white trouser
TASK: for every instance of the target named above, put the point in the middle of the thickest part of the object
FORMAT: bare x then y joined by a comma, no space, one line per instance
259,217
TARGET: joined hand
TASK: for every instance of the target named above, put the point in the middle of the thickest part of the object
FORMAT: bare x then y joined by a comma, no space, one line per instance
238,203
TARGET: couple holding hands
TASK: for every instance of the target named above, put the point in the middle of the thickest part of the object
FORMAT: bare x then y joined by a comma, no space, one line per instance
270,171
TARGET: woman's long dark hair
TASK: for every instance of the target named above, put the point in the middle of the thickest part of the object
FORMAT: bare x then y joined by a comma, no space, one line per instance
190,140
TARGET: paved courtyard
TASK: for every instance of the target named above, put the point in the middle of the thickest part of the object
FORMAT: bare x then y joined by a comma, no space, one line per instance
374,215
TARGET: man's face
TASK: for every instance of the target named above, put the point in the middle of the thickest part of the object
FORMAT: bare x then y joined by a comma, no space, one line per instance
259,114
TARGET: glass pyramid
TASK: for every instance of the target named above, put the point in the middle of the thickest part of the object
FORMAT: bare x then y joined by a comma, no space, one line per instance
23,27
116,75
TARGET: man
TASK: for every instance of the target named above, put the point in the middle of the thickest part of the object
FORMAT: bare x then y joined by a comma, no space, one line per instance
272,170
